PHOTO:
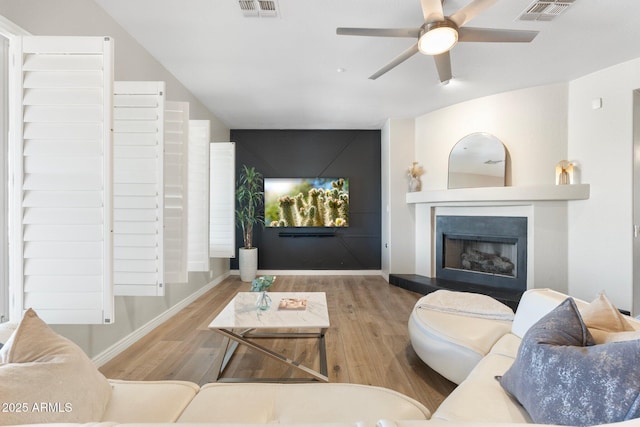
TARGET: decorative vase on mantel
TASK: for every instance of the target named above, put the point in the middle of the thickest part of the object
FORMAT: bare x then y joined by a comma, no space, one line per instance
415,184
414,173
564,173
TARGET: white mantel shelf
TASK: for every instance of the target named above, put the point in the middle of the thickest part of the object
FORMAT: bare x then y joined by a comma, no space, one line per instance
502,194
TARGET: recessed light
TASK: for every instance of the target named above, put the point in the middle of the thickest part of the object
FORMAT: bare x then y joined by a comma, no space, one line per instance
341,70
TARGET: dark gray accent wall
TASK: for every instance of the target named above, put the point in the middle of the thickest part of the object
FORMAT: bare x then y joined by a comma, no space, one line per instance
352,154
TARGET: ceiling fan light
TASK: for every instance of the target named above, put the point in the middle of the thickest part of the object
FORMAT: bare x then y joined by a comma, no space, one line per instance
438,40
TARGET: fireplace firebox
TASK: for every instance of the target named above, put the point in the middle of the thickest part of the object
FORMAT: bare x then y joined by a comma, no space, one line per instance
482,250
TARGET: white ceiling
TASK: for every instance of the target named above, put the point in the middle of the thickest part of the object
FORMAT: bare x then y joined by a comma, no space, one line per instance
282,72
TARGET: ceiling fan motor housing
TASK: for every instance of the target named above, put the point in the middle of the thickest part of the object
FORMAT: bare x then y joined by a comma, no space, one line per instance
438,37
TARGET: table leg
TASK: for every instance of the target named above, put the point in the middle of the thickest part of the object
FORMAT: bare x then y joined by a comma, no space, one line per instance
222,358
319,376
323,353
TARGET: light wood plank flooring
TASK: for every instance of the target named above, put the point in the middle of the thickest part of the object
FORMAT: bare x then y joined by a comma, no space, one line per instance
367,342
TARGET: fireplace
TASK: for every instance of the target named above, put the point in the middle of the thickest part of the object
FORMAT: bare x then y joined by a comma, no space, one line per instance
482,250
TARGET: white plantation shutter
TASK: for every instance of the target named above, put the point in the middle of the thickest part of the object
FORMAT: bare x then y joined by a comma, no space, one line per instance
176,128
222,230
4,180
138,193
199,139
60,239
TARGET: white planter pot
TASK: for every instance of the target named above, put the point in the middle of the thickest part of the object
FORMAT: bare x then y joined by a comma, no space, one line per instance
248,264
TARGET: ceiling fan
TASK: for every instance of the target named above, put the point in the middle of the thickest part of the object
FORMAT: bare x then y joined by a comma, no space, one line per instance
440,33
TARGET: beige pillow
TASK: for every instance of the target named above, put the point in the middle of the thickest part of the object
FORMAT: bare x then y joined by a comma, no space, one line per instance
46,378
603,318
607,337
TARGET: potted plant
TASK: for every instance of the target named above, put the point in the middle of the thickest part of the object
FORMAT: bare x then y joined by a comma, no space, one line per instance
250,197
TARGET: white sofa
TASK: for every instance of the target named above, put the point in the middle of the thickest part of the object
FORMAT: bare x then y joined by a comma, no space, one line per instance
471,352
45,378
258,403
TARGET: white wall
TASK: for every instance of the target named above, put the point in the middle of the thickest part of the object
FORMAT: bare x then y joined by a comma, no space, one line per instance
398,233
541,126
532,124
600,229
132,62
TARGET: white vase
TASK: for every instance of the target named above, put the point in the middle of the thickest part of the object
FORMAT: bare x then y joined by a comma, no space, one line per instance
415,184
248,263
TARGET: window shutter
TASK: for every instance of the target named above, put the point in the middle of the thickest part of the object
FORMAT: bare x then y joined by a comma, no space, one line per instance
222,234
199,139
4,179
176,128
61,221
138,193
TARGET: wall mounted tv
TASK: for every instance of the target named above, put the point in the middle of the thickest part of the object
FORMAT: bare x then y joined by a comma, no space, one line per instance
306,202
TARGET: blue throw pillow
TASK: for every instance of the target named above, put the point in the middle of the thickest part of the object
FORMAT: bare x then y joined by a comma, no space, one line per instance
560,376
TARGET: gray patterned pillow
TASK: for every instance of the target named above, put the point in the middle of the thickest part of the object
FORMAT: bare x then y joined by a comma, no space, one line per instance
560,376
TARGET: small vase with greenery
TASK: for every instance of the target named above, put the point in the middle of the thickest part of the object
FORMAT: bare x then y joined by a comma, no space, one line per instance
250,198
262,284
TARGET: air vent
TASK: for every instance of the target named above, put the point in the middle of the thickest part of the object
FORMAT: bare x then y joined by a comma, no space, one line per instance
259,8
545,10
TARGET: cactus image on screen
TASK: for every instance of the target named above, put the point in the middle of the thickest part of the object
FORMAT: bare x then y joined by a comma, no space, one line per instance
306,202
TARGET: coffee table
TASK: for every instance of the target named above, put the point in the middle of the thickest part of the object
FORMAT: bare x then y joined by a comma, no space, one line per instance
242,323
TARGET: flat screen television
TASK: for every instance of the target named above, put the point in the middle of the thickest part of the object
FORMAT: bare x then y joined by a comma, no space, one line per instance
306,202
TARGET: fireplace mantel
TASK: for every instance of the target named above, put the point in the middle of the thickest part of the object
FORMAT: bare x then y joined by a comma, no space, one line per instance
502,194
544,206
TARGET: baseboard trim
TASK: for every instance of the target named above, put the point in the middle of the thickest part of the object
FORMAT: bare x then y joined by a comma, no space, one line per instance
315,272
117,348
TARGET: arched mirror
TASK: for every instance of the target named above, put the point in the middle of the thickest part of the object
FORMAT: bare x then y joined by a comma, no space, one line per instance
477,160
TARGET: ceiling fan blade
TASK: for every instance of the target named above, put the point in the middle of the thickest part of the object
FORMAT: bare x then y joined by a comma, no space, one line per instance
396,61
494,35
443,65
470,11
432,10
379,32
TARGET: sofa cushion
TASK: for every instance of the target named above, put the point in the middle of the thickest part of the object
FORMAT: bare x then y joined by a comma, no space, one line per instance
148,401
561,377
507,346
480,398
299,403
51,377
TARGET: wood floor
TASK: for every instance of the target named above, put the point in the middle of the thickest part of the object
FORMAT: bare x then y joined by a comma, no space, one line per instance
367,342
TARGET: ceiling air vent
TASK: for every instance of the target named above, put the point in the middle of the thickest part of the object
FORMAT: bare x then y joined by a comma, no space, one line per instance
259,8
545,10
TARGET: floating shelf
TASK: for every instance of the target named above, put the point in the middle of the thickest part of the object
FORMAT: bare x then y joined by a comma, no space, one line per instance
502,194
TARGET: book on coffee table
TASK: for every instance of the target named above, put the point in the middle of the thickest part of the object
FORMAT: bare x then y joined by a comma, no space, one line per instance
293,304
